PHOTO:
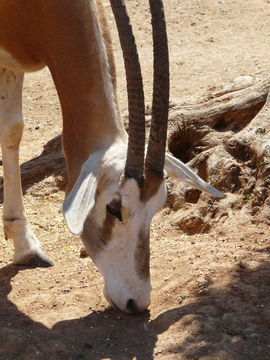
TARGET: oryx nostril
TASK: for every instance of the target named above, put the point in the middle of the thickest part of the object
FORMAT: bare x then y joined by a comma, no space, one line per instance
132,306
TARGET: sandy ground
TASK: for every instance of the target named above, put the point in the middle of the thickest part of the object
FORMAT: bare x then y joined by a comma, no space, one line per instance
210,296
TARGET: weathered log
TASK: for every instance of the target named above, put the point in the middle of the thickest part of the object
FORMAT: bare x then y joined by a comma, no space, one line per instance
201,126
235,159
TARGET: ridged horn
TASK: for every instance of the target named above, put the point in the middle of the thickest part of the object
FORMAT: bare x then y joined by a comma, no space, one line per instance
155,157
134,167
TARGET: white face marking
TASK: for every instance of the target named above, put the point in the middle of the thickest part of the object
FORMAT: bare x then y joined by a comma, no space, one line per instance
122,258
120,248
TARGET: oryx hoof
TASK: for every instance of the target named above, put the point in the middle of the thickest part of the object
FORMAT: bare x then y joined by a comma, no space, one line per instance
35,260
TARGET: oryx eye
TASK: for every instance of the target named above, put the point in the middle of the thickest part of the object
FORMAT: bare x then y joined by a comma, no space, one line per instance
114,208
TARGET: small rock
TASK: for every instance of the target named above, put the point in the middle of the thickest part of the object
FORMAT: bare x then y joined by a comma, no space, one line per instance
66,290
181,298
83,253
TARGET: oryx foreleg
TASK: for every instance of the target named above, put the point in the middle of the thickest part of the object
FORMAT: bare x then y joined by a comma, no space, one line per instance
26,246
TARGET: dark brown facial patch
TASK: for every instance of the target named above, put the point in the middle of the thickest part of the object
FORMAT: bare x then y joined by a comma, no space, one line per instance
114,208
142,255
96,237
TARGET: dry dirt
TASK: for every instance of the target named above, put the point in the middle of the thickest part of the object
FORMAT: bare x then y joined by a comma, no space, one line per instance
210,297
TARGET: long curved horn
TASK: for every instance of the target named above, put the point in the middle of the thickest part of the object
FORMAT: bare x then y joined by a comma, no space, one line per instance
134,167
157,141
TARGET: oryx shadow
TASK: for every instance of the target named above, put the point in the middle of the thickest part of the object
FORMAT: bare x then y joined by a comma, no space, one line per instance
104,334
112,335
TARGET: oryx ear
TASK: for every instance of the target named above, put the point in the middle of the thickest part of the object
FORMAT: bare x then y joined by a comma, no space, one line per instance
81,198
175,168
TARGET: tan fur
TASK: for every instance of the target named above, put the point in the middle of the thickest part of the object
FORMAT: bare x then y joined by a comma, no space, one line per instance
62,35
14,137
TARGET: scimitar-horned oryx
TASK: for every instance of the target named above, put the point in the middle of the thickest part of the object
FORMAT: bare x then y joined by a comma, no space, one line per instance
113,189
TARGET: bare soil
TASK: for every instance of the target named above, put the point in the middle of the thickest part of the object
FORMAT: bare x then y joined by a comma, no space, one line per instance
210,297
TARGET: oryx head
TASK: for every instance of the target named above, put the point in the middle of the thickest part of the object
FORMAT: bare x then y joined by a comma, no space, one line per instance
119,189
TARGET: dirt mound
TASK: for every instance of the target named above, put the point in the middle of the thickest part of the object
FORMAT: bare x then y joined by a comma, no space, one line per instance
226,141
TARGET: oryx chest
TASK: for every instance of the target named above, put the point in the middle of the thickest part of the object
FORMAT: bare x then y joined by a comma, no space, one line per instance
9,61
